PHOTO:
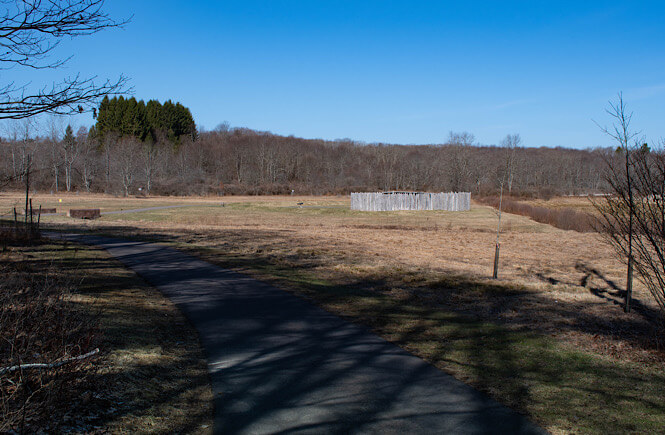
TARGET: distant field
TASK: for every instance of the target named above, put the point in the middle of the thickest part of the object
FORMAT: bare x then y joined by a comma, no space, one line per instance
411,275
532,253
580,203
536,255
64,201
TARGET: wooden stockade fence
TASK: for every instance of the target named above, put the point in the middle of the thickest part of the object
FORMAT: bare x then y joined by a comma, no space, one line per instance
392,201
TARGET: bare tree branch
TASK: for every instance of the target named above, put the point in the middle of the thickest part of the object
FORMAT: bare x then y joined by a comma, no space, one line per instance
632,218
29,32
53,365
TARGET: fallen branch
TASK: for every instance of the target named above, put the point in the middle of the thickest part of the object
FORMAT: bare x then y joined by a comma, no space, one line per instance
47,366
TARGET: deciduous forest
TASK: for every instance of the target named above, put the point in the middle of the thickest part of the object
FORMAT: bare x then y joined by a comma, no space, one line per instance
155,149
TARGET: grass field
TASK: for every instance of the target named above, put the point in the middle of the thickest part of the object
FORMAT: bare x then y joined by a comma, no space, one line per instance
580,203
151,375
548,338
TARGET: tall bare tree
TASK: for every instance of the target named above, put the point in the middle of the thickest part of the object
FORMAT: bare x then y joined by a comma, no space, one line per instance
54,128
125,162
151,157
633,217
459,154
510,144
22,144
88,161
70,151
618,210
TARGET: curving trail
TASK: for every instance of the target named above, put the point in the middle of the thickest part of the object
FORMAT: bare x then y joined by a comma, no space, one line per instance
281,365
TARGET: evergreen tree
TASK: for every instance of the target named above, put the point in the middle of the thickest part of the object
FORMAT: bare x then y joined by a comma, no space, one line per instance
127,117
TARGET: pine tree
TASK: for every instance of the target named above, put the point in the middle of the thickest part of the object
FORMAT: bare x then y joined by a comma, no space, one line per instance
146,122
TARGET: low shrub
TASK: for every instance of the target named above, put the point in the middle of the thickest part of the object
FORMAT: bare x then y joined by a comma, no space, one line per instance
40,324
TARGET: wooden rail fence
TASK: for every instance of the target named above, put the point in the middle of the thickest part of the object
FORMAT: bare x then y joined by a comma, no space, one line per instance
392,201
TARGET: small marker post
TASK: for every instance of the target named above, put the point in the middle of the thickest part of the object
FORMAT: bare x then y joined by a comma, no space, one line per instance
496,262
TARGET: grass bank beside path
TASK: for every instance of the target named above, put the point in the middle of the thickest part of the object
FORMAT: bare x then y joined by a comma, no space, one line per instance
151,375
564,387
548,339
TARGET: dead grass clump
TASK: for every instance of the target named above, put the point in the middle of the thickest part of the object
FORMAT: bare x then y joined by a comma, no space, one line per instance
18,236
562,218
38,324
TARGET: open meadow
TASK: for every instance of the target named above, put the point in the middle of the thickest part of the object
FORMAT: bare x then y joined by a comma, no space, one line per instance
549,338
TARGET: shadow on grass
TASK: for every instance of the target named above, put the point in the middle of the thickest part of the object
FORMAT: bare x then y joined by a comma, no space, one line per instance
492,336
611,292
497,338
155,366
560,387
281,365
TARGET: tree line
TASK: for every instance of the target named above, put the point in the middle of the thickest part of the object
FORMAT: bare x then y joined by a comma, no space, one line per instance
243,161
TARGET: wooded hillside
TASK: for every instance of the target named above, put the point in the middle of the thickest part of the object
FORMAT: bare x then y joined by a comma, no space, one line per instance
243,161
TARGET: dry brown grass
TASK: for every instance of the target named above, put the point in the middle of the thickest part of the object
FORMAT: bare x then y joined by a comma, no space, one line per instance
560,267
565,218
63,201
579,203
39,323
404,273
150,375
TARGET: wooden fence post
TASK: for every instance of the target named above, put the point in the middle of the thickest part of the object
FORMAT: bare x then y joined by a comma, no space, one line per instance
496,262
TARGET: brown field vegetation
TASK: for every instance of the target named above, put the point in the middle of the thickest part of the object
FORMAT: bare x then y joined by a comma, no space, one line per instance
61,300
570,214
559,265
535,339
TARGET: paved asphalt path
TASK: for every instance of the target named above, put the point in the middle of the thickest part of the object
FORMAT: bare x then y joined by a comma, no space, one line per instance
278,364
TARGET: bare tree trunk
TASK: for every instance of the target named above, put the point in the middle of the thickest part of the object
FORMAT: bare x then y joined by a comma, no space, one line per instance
56,171
68,178
497,246
14,161
511,142
27,187
631,211
623,186
107,154
86,178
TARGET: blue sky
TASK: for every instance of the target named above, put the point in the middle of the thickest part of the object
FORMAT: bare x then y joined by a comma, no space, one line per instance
388,71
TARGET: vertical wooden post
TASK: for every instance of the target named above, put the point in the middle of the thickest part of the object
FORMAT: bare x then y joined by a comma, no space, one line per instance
39,216
629,285
496,262
27,188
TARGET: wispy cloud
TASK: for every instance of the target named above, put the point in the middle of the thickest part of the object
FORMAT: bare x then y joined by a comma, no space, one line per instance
644,92
512,103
